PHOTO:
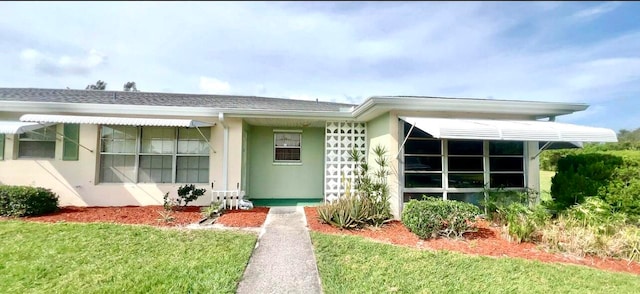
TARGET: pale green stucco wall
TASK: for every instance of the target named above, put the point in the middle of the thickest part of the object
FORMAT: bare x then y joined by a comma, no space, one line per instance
383,131
273,180
377,128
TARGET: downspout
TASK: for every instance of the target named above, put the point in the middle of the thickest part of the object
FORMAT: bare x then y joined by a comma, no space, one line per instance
225,152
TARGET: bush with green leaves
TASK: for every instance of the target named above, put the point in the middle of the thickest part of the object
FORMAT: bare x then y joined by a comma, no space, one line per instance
189,193
26,201
368,203
623,190
186,194
582,175
613,176
523,223
430,217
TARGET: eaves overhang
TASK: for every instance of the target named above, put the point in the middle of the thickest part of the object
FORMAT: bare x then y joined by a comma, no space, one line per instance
369,109
377,105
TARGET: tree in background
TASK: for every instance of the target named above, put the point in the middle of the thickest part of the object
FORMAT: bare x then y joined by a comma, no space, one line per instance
99,85
629,136
130,87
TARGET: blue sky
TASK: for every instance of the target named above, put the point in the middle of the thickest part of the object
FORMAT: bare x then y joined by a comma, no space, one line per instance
586,52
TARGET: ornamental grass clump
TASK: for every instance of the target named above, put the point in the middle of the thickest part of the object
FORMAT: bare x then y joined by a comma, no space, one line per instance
366,201
591,228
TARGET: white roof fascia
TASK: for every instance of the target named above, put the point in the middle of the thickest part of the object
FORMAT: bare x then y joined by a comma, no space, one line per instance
18,127
539,109
106,120
511,130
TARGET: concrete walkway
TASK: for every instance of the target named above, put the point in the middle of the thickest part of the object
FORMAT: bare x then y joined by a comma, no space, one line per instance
283,260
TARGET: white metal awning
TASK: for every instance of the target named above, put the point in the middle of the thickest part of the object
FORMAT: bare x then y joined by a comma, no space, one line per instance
19,127
510,130
107,120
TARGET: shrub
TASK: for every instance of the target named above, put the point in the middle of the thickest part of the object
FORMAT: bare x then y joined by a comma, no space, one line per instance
430,218
189,193
26,201
523,223
371,186
623,191
186,194
580,176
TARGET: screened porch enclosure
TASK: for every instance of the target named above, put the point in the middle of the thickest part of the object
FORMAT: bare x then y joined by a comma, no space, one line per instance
458,169
459,159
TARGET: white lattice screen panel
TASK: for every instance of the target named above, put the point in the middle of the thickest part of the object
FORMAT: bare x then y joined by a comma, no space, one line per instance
340,139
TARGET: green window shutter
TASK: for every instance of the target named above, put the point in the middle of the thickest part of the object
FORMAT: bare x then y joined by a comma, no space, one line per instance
70,146
1,146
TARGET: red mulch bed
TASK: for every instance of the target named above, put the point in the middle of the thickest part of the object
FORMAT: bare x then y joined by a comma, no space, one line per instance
150,215
244,218
487,241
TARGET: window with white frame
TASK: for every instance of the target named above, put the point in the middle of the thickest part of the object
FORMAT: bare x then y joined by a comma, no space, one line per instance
459,169
154,155
40,143
287,146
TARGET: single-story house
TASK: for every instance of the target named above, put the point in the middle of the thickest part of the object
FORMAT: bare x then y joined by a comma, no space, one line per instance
114,148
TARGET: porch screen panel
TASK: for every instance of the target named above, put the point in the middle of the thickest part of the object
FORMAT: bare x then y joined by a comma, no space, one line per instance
156,150
192,159
40,143
70,147
1,146
118,154
506,164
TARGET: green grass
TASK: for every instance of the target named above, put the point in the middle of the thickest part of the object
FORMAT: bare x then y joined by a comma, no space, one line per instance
545,184
108,258
350,264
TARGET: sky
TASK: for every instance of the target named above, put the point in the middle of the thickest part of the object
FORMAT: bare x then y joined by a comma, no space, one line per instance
576,52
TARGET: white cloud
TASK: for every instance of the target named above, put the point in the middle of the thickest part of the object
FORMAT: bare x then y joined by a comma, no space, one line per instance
333,51
214,86
596,11
62,65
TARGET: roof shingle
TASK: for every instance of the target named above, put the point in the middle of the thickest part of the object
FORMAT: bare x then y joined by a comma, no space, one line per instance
165,99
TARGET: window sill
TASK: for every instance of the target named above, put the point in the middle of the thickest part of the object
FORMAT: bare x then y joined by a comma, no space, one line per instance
35,158
287,163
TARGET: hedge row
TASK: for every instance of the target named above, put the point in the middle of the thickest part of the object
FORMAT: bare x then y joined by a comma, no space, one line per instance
612,176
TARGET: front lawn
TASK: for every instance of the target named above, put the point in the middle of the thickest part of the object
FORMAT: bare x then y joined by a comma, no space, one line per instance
545,184
99,258
349,264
